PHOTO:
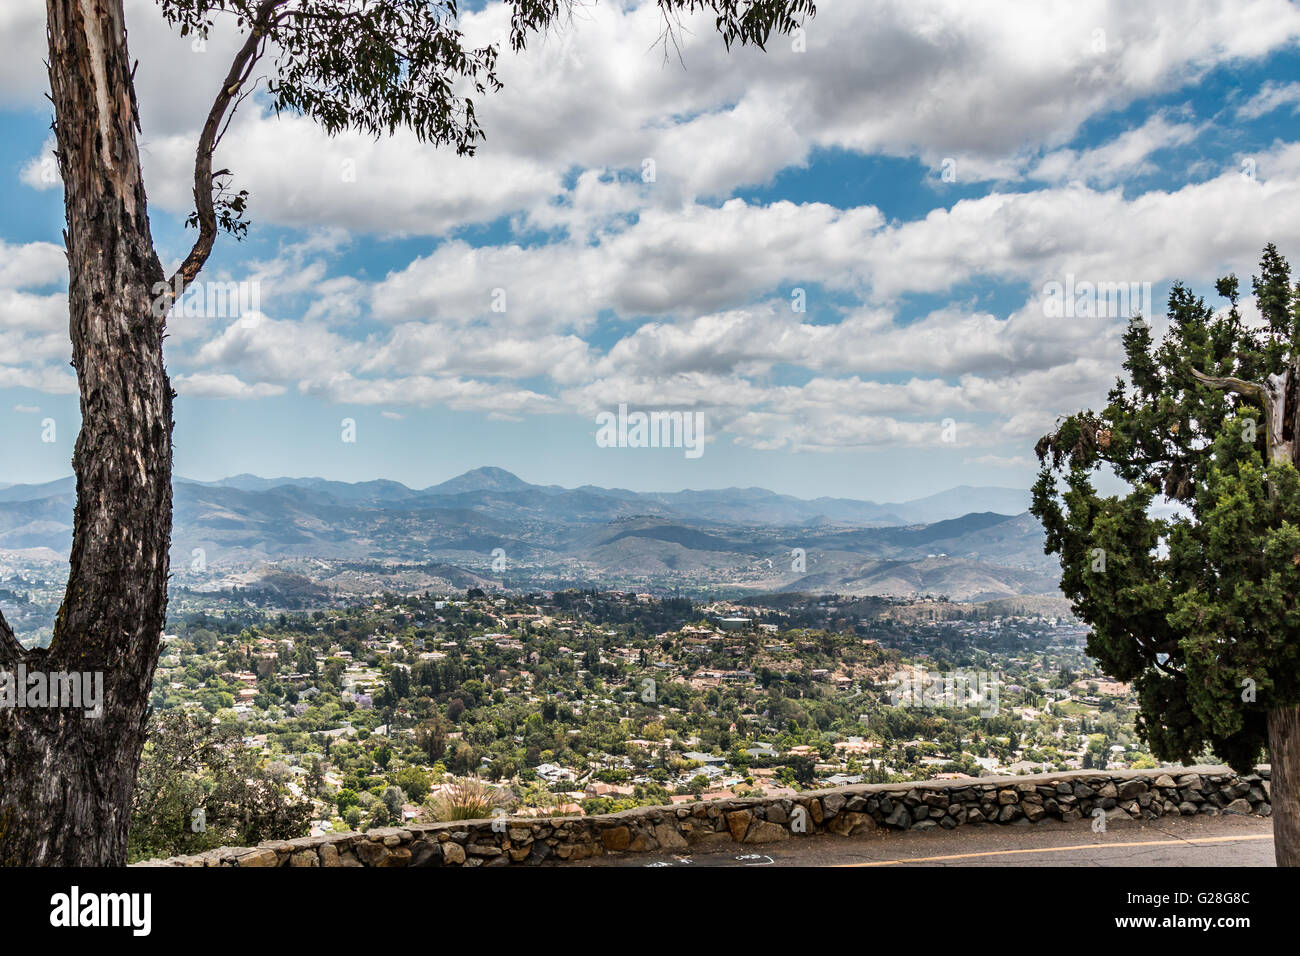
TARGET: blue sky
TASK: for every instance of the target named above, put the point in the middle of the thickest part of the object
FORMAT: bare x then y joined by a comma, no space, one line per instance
914,174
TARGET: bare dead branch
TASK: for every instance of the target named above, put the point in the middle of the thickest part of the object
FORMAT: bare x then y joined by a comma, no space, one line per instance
1230,384
1273,395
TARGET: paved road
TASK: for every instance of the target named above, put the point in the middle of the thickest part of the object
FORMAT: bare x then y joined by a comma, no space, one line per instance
1183,841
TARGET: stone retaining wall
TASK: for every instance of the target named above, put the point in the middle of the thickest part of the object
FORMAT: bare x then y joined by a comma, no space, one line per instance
845,811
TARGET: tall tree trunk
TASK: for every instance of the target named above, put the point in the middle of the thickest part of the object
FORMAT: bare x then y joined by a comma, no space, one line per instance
1284,785
1284,722
67,779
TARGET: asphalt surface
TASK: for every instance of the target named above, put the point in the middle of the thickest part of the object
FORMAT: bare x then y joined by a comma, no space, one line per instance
1229,841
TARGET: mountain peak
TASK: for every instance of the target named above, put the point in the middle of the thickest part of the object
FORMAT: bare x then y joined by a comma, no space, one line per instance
481,479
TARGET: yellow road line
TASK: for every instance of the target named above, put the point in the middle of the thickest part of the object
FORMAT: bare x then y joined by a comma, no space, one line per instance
1059,849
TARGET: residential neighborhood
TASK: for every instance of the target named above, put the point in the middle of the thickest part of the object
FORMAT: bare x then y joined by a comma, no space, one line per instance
581,702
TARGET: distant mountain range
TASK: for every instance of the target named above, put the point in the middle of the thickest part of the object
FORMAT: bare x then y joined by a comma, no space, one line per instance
970,543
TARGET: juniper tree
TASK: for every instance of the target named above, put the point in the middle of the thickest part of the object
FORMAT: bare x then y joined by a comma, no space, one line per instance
1198,603
374,66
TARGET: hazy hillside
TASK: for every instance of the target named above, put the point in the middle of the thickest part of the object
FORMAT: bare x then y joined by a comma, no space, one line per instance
490,522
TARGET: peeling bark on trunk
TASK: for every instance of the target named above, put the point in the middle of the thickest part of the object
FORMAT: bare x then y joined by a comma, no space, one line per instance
67,779
1284,785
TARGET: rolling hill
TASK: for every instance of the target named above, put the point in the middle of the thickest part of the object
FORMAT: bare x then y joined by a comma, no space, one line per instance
955,543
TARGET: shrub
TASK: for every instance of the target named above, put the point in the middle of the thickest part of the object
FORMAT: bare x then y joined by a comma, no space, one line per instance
468,798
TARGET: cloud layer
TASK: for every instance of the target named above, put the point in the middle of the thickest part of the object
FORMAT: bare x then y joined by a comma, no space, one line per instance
671,233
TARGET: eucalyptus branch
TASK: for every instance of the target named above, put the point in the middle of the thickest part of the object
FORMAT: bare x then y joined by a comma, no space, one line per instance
228,98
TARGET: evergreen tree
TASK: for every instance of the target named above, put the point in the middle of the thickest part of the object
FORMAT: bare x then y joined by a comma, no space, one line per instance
1197,604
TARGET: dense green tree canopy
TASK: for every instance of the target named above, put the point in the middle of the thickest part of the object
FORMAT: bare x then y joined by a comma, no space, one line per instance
1199,603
